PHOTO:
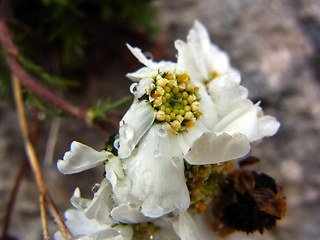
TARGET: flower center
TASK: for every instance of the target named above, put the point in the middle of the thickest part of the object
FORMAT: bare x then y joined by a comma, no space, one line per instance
175,100
204,183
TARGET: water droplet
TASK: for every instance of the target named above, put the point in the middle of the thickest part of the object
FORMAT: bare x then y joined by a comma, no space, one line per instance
121,123
134,88
176,161
131,145
144,144
162,133
156,154
127,132
116,143
95,187
147,177
148,55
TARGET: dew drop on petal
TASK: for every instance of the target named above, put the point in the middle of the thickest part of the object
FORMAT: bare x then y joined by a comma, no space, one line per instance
134,88
131,145
147,175
156,154
148,55
143,144
162,133
121,123
116,143
127,132
175,161
95,187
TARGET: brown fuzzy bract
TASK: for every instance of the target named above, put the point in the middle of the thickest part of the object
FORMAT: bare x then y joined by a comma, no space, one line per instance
250,202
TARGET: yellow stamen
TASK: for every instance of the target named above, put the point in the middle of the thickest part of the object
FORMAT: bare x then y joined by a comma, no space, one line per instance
189,124
161,116
183,77
215,74
169,76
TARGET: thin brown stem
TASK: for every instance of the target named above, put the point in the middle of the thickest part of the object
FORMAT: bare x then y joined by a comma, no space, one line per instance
12,196
44,217
33,161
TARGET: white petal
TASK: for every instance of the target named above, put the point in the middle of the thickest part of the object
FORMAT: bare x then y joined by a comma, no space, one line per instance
248,120
241,120
186,228
144,72
208,109
144,87
127,214
135,124
147,72
58,236
166,66
202,35
79,224
81,157
200,57
227,87
198,47
124,231
100,206
141,57
204,123
268,126
115,165
186,61
157,173
114,170
215,59
78,202
185,139
227,93
210,148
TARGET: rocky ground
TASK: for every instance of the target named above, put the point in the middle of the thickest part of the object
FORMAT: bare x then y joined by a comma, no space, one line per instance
275,45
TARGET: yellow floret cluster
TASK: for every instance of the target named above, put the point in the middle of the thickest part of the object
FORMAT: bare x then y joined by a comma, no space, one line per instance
204,183
174,98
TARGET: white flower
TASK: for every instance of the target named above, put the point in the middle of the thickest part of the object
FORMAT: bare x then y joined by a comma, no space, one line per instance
169,113
194,110
174,118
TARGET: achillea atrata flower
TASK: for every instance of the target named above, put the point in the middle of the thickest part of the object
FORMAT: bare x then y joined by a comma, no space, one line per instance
178,114
184,115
